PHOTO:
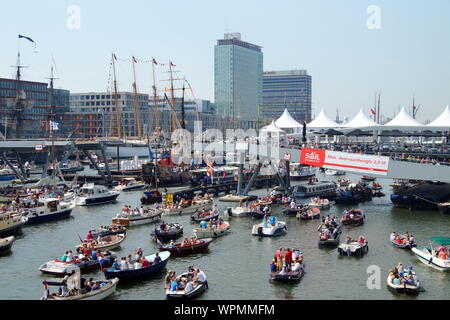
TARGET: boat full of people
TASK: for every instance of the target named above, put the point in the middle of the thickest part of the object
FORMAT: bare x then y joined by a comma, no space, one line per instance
187,285
129,217
330,231
188,206
212,229
353,217
186,247
437,258
352,247
270,227
309,214
319,203
138,268
91,194
287,266
405,241
403,280
167,231
130,184
103,243
204,215
74,287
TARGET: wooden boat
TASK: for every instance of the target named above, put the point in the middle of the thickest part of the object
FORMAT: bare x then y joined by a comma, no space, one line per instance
404,288
73,284
175,231
109,231
213,232
60,268
271,229
132,275
182,294
130,184
430,257
357,220
106,243
310,214
321,204
194,206
128,220
196,217
353,248
176,249
11,224
287,277
6,244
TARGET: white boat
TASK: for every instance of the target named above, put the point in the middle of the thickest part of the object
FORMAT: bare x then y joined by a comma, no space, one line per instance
130,184
48,209
106,242
91,194
72,286
126,220
195,205
183,294
6,244
404,287
273,228
319,203
213,232
353,248
301,172
430,257
238,212
330,172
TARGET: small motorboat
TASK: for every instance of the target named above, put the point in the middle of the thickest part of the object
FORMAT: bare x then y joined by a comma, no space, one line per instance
130,184
91,194
238,211
199,216
217,230
132,275
402,242
71,289
437,259
166,232
309,214
406,286
292,211
6,244
270,228
188,206
353,248
318,203
176,249
330,172
368,178
287,277
48,209
60,268
353,218
106,242
135,219
193,291
329,236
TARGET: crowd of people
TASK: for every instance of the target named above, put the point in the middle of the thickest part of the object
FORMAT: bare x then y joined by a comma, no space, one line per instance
406,239
287,261
138,262
400,275
330,228
351,214
187,283
187,242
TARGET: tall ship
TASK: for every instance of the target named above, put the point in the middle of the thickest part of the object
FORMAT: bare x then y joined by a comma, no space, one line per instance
423,196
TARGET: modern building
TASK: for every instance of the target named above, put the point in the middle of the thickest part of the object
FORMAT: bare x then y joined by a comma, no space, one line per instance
94,114
238,74
34,105
289,89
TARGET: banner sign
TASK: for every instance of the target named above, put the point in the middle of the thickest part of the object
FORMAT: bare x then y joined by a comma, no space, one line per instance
362,163
287,156
39,147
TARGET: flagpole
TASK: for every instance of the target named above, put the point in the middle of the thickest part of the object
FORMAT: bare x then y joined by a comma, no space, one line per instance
136,100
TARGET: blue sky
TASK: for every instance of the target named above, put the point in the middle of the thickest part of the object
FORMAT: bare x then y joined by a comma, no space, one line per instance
409,55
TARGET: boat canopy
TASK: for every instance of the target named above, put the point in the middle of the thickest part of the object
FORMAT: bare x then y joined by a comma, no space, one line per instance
441,240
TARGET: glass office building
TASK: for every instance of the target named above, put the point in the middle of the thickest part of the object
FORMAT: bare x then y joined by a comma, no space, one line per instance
238,73
287,89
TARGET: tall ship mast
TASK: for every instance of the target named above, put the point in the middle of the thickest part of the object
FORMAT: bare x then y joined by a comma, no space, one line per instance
136,99
116,99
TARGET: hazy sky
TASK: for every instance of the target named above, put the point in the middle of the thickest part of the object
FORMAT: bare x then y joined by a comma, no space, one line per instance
408,55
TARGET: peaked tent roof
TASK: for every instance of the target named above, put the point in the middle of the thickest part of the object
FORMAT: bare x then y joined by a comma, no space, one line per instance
403,121
361,120
272,128
322,121
443,121
287,122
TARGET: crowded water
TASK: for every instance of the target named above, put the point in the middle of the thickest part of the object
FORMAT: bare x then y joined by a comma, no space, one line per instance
237,264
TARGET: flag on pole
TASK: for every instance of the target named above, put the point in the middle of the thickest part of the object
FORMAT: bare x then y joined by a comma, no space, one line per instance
171,64
28,38
134,60
53,125
114,57
372,110
154,61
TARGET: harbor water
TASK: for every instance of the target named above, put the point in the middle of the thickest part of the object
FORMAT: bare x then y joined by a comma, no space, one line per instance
237,264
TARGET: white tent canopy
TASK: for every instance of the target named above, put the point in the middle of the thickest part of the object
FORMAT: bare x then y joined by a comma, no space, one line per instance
441,122
322,121
272,128
286,121
403,121
361,120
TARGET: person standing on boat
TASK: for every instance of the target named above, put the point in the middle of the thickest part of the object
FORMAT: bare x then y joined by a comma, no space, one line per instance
288,259
279,258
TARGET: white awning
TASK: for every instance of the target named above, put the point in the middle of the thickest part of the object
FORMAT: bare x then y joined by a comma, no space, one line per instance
442,122
361,120
403,121
272,128
287,122
322,121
